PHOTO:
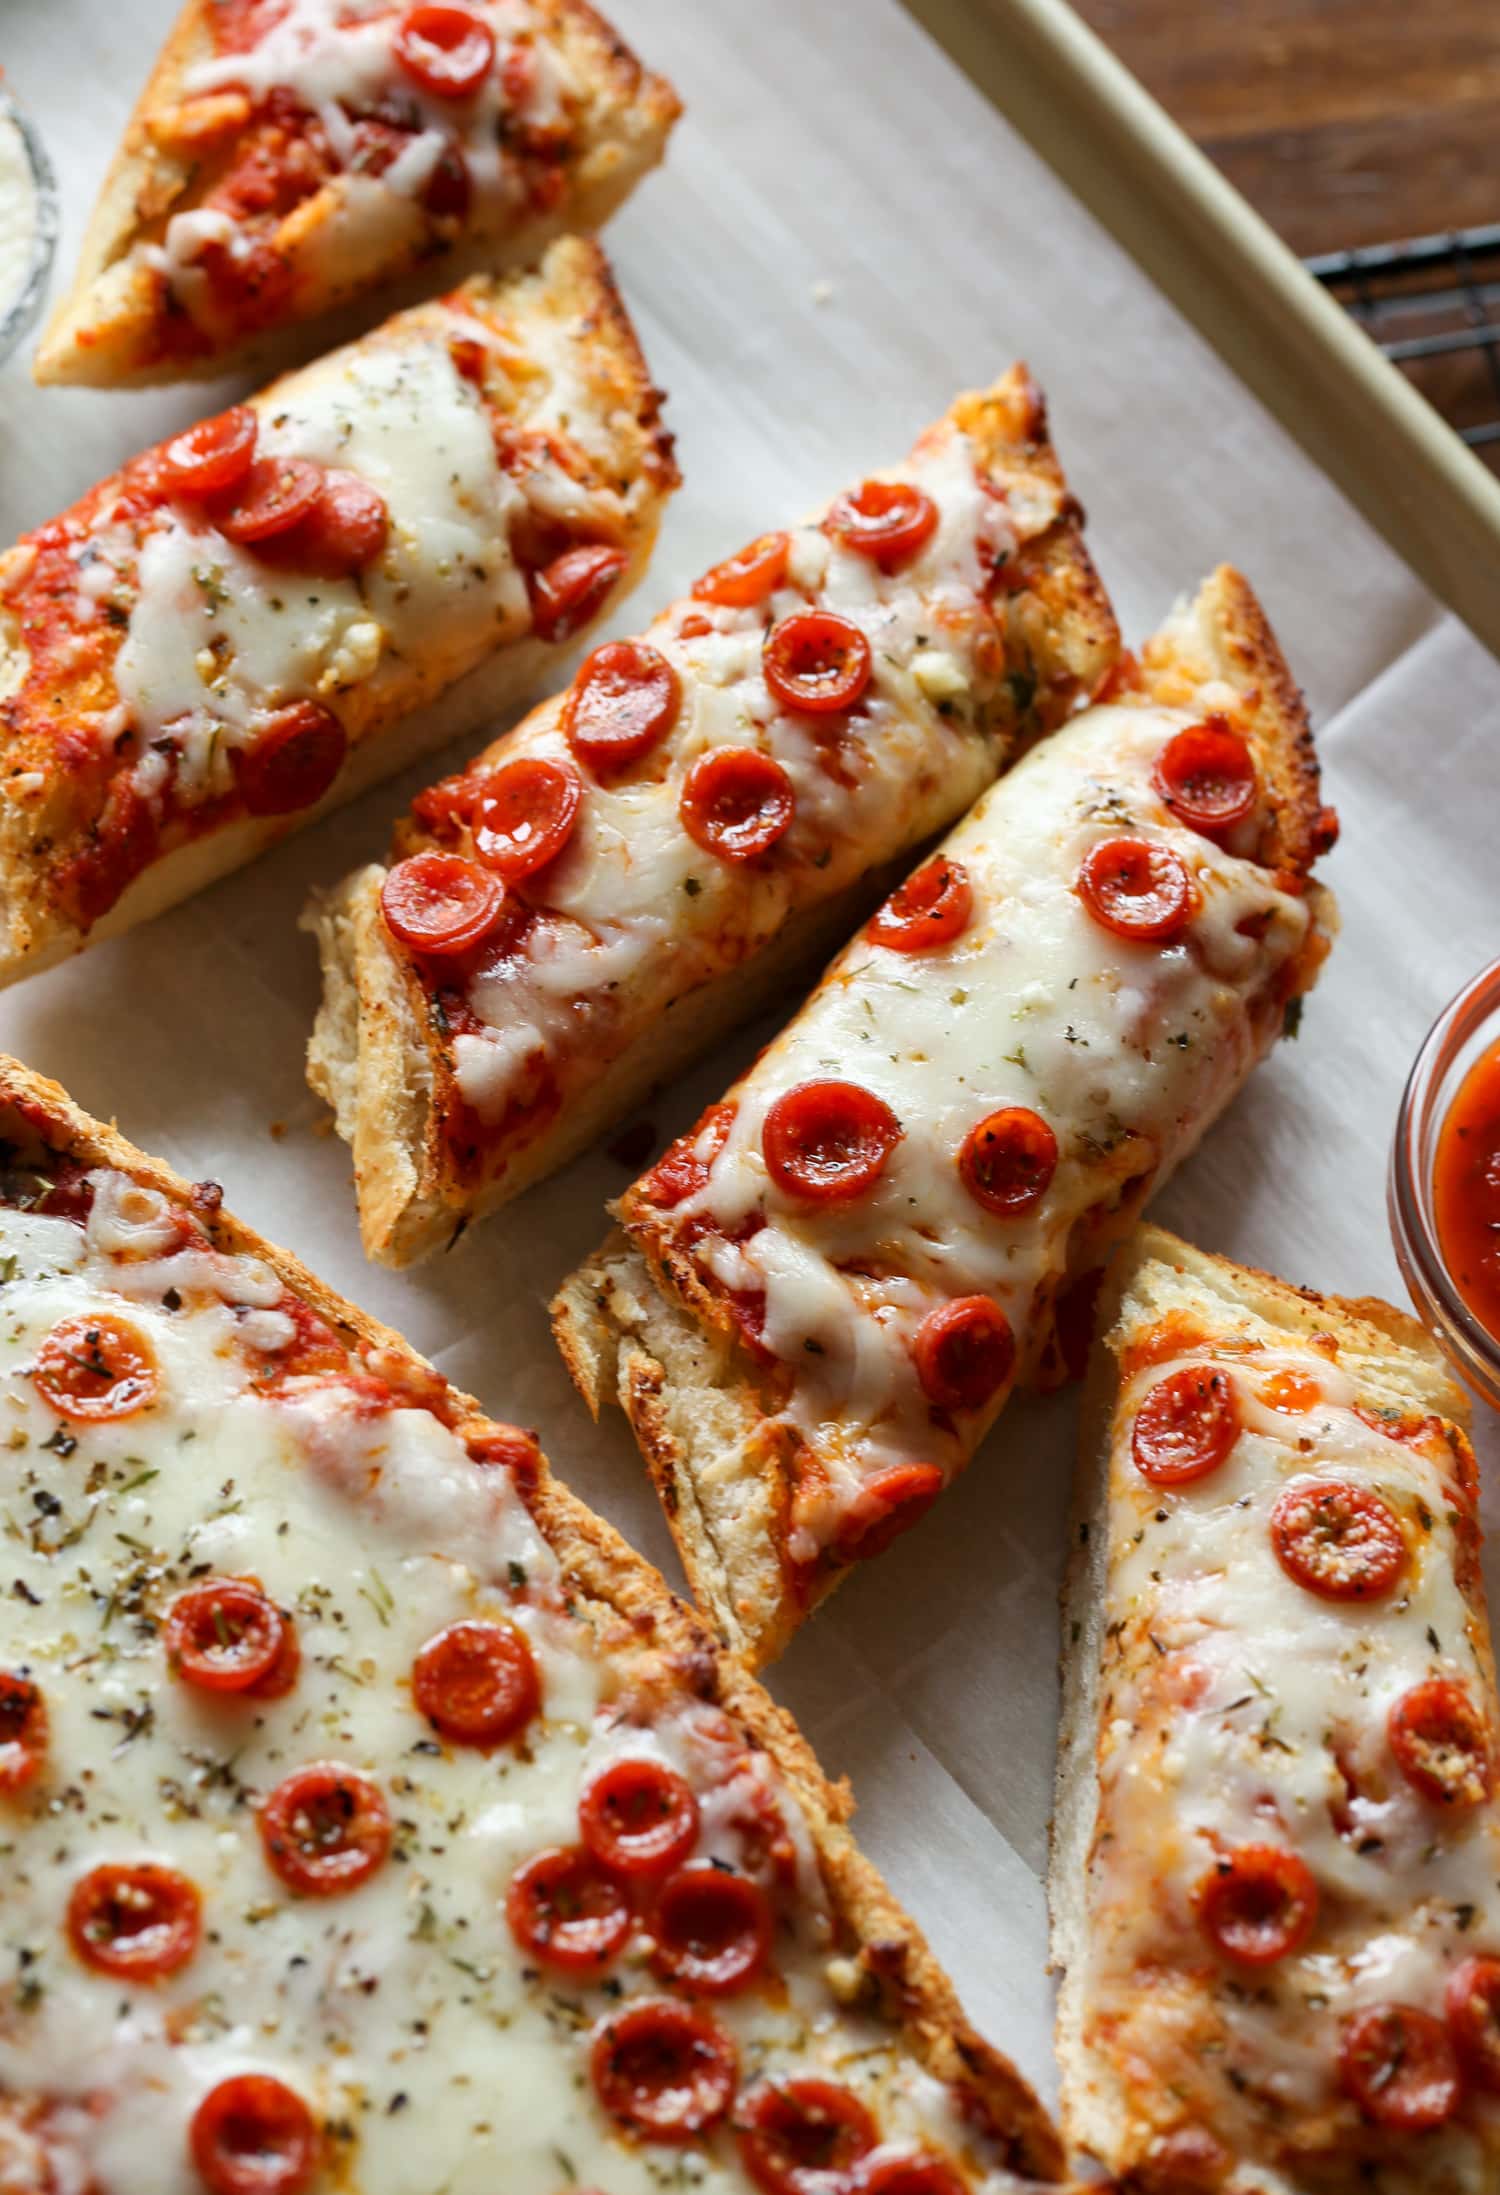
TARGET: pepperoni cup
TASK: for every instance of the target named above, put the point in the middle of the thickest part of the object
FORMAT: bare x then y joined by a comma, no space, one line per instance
665,2070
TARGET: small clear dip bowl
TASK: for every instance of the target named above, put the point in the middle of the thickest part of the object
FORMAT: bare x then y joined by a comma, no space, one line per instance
21,295
1467,1027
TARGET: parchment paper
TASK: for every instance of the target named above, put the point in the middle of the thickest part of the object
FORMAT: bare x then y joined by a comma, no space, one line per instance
844,234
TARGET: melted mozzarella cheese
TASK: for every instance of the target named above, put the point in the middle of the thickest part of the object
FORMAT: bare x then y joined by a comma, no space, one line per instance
218,635
1127,1050
645,913
337,61
402,2011
1245,1709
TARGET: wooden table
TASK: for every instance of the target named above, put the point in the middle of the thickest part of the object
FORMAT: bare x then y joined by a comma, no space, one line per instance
1344,122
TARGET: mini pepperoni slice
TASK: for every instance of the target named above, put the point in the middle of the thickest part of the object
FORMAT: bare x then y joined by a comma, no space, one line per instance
816,662
325,1829
736,803
1008,1160
1442,1748
1472,2005
1136,889
252,2135
225,1635
214,455
826,1141
1206,776
138,1924
712,1930
477,1683
447,51
441,903
802,2136
931,908
623,701
566,593
965,1352
665,2070
525,814
1338,1540
889,520
567,1910
276,494
1186,1426
1259,1904
919,2173
95,1368
889,1503
639,1818
23,1731
345,530
1397,2064
742,581
292,761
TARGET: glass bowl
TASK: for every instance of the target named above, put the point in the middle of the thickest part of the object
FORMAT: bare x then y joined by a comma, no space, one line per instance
21,303
1466,1027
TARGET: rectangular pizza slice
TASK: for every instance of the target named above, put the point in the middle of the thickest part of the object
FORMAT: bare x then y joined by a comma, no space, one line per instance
374,1819
253,621
1276,1878
825,1292
291,156
653,855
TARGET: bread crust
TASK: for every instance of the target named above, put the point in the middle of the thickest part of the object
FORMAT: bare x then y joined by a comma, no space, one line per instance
574,289
104,330
1397,1368
638,1328
411,1198
890,1968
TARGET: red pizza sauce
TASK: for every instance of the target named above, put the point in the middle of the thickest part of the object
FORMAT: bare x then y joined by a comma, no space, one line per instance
1466,1190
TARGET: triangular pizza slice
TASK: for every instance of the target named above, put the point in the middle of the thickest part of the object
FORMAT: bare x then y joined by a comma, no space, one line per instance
374,1819
291,156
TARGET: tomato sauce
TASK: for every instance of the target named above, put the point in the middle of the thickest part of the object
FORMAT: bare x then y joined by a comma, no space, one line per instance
1466,1190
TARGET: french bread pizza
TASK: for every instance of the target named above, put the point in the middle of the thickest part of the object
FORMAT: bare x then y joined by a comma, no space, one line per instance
374,1819
821,1297
251,622
291,156
703,814
1276,1843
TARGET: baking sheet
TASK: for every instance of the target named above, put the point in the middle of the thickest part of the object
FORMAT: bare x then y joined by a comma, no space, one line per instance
844,234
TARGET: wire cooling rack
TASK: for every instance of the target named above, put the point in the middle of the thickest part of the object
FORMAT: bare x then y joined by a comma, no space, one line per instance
1433,305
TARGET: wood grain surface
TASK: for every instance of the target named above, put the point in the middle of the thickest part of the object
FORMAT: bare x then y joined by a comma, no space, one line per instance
1343,121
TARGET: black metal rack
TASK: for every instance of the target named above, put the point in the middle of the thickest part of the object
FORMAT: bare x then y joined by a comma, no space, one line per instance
1433,306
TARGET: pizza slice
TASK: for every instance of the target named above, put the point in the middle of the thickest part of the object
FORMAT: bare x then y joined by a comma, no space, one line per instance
1277,1843
824,1293
291,156
374,1818
257,619
657,853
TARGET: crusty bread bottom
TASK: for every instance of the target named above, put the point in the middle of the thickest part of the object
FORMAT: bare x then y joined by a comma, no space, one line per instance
1396,1365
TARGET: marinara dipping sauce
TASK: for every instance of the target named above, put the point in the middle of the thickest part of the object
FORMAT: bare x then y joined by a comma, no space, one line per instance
1466,1189
1445,1183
